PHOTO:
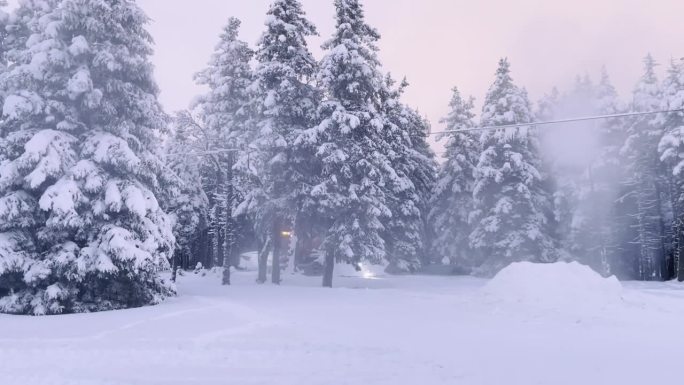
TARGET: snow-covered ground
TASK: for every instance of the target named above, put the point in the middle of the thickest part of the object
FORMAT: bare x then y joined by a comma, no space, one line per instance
571,328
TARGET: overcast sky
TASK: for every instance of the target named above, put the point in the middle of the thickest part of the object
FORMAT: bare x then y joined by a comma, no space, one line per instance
438,44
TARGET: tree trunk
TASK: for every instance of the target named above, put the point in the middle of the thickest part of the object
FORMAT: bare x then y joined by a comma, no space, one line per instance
263,261
225,280
202,246
221,226
679,253
276,236
328,269
174,267
297,258
210,251
229,230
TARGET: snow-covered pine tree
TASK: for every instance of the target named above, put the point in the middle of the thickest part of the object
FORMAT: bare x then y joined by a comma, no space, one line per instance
80,225
510,198
423,173
452,203
223,123
350,143
671,149
14,31
646,176
4,23
405,231
187,205
284,103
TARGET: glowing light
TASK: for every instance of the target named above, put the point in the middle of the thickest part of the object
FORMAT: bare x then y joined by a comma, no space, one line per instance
286,233
365,273
368,274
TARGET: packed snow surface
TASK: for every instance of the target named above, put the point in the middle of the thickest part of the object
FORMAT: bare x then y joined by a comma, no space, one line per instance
371,329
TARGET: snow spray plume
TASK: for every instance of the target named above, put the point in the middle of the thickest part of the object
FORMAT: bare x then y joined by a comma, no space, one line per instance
583,171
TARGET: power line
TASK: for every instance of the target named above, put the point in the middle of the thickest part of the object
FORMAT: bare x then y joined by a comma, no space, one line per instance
485,128
560,121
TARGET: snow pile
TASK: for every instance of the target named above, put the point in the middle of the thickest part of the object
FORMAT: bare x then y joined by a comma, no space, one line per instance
563,287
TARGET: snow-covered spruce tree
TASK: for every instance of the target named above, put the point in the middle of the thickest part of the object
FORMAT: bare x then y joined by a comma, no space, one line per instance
405,231
284,103
510,199
671,149
452,203
223,124
80,225
350,143
4,23
187,205
14,33
646,176
423,173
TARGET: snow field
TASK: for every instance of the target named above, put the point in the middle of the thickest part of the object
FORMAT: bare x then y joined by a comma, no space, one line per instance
384,330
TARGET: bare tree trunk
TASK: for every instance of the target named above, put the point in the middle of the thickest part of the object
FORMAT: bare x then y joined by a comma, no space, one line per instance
210,251
297,258
221,201
679,256
229,225
277,245
328,269
174,267
263,261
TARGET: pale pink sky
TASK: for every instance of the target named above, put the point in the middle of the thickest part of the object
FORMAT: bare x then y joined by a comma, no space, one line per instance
441,43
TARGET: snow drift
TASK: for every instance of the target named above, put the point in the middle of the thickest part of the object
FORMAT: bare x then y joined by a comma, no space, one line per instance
567,287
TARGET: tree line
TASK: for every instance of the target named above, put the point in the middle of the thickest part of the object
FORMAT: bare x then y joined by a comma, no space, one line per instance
501,197
317,160
324,150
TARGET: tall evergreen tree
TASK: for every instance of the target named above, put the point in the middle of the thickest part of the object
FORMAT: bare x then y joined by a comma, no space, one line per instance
452,203
646,184
284,105
350,143
4,23
406,132
188,203
671,149
80,225
510,198
423,171
223,123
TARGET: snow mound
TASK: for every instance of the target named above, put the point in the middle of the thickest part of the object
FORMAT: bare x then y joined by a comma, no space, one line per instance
565,287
